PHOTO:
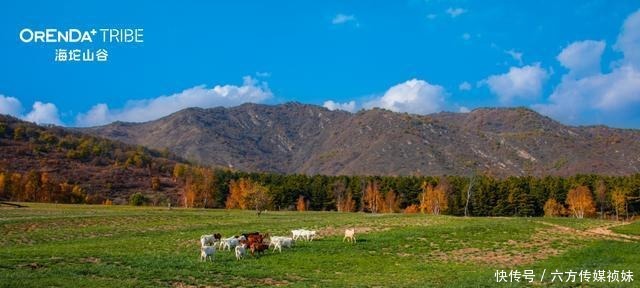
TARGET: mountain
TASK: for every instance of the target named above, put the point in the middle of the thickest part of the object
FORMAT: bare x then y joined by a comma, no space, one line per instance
308,139
53,164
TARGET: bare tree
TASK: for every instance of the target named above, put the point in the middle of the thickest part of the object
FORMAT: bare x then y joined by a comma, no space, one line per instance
466,205
601,196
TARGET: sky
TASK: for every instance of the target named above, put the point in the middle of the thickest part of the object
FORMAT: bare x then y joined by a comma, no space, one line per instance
575,61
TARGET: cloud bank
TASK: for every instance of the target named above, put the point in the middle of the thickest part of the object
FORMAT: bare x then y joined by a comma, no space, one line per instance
586,93
41,113
199,96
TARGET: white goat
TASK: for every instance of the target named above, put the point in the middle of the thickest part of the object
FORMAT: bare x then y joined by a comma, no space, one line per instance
207,240
229,243
241,250
349,235
273,240
285,241
296,233
307,235
207,252
279,241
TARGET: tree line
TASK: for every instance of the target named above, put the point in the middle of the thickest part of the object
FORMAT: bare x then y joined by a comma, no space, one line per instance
482,195
579,196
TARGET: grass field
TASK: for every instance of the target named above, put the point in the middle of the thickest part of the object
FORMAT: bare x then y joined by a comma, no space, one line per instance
117,246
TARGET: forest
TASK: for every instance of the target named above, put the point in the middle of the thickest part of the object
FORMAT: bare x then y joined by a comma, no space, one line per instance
479,195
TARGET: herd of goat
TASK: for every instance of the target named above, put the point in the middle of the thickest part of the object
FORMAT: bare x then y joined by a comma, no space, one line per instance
257,243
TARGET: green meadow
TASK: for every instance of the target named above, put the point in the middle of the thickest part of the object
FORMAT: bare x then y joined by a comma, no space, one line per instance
49,245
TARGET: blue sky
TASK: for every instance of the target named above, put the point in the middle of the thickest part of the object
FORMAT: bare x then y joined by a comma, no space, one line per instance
575,61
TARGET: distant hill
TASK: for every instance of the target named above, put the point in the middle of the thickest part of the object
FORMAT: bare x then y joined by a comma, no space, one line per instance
308,139
53,164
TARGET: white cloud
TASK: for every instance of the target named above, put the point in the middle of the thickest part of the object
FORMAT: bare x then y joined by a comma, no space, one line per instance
99,114
605,94
455,12
464,86
41,113
347,106
413,96
515,55
520,82
10,106
199,96
44,113
466,36
582,58
585,91
629,40
464,109
343,18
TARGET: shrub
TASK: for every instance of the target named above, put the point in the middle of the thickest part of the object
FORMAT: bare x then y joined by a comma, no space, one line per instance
411,209
137,199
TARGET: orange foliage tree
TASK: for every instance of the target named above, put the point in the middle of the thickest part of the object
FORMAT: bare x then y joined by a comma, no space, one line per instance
411,209
391,202
301,205
246,194
552,208
581,202
619,201
189,195
373,200
237,191
433,200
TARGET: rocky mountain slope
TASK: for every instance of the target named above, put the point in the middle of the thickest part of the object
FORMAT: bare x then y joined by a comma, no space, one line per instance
298,138
53,164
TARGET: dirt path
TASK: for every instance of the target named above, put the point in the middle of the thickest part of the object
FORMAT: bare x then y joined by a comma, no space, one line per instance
603,232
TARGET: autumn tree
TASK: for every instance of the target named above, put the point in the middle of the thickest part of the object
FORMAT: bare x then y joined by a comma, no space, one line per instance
32,186
372,198
47,186
178,171
155,183
247,194
552,208
189,194
78,194
237,190
3,186
301,205
433,200
257,197
580,202
208,187
619,202
391,202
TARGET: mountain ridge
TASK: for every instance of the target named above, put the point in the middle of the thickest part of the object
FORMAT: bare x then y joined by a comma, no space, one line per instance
309,139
